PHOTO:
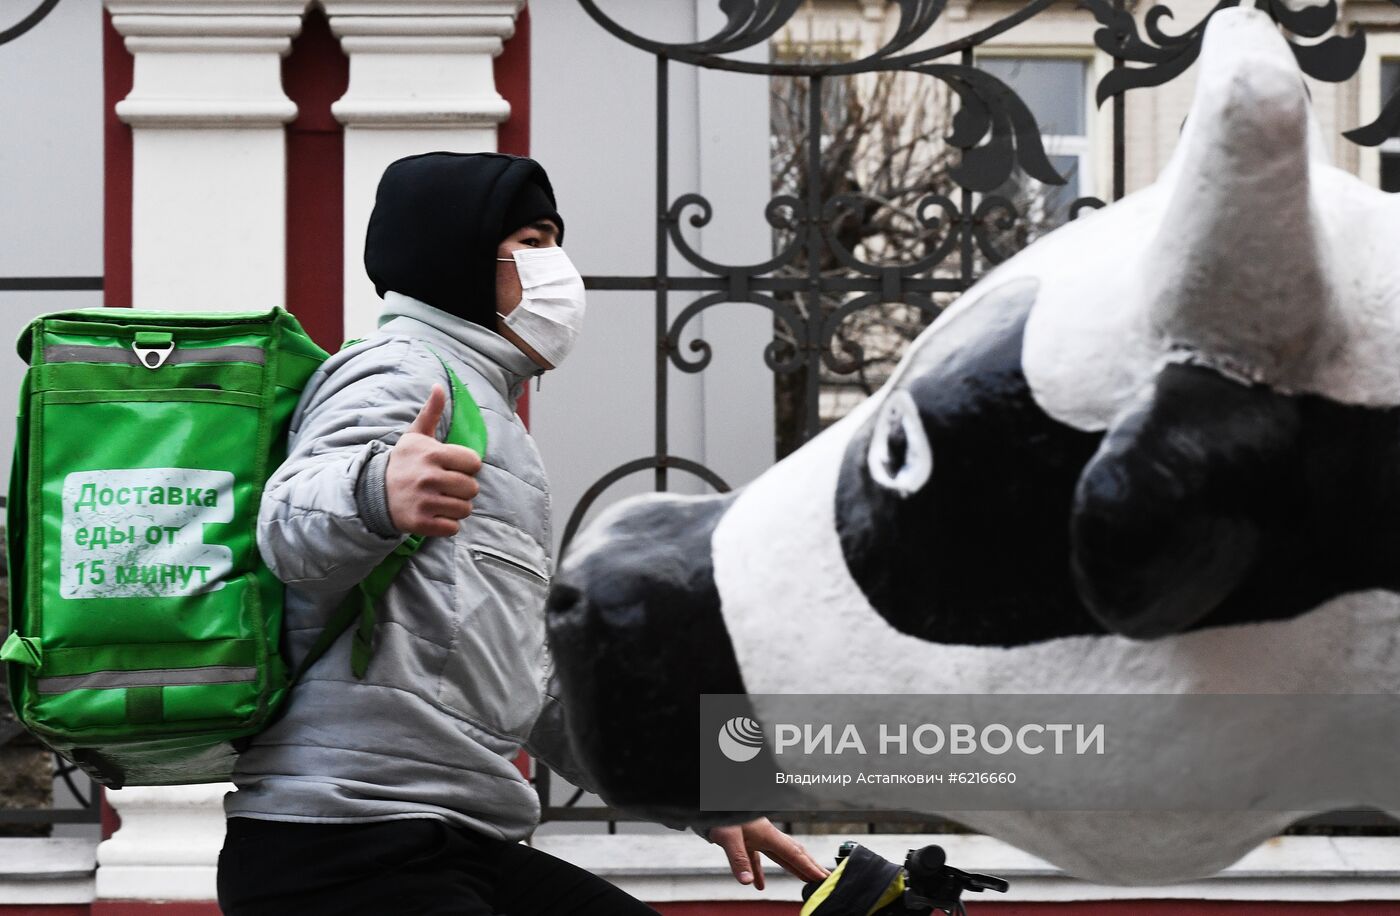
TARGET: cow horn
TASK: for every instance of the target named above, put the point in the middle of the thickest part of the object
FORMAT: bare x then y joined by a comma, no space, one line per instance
1237,273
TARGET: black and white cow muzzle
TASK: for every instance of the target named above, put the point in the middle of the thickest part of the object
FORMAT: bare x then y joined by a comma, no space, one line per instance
635,630
970,516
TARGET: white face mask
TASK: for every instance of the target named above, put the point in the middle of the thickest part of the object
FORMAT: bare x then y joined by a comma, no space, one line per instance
551,307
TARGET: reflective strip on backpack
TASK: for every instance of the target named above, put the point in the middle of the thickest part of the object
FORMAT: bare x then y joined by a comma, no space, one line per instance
79,353
169,677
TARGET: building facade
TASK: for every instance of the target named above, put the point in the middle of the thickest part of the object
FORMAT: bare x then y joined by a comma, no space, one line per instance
223,154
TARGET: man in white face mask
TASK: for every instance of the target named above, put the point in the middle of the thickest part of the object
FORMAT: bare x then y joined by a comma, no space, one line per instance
539,294
391,786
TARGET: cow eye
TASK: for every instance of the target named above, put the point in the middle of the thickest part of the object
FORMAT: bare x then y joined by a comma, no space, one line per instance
900,458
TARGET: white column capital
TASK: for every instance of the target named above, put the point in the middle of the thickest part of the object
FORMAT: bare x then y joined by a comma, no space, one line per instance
207,63
422,63
396,9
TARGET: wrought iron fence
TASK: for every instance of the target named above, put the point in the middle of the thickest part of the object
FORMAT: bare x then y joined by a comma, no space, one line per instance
993,134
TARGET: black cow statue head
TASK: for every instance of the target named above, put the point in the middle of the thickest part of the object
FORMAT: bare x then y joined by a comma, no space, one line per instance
1158,452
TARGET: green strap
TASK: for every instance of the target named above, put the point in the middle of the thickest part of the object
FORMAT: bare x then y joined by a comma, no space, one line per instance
339,622
368,594
22,650
359,606
145,705
467,428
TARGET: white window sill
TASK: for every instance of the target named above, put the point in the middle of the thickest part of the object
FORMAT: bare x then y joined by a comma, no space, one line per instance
40,871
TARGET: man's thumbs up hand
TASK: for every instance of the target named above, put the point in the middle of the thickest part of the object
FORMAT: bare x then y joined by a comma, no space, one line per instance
430,484
426,423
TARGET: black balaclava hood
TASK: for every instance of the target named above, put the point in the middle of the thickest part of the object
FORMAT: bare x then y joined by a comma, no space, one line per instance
438,219
532,204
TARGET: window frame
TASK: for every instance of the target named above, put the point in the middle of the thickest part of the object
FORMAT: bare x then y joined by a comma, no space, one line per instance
1094,145
1391,146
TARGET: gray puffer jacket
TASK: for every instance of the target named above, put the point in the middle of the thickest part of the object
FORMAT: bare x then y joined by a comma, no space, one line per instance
460,672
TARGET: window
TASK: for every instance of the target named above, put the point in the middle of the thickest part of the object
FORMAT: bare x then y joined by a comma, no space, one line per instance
788,95
1390,149
1056,90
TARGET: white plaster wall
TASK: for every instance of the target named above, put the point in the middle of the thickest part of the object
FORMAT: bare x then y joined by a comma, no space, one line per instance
593,127
50,175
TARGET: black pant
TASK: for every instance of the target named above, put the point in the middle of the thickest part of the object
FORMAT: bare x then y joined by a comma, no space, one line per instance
401,868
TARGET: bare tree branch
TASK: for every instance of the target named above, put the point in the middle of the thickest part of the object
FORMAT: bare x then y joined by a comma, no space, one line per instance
883,147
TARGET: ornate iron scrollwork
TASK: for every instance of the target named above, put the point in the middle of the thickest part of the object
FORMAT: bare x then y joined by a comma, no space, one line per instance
1166,56
821,273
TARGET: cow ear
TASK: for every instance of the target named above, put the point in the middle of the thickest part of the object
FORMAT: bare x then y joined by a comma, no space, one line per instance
900,457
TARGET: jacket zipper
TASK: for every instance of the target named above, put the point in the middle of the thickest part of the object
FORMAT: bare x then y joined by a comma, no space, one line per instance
487,553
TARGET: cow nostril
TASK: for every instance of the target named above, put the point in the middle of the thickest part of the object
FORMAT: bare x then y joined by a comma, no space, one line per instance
901,457
562,598
896,449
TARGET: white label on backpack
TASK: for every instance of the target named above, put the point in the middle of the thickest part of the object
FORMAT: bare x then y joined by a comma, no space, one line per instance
139,532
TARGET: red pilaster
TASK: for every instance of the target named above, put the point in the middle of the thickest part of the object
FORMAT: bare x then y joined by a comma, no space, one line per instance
512,70
117,75
314,75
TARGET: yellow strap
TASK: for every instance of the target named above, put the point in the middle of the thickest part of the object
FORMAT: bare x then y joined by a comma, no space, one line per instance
890,895
820,894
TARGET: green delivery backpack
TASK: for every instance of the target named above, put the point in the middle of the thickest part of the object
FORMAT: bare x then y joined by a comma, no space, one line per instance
145,629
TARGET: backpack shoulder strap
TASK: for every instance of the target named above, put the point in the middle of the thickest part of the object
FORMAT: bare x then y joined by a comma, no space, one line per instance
467,428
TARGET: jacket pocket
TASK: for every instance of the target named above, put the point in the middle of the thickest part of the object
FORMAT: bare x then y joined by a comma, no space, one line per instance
491,556
495,671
